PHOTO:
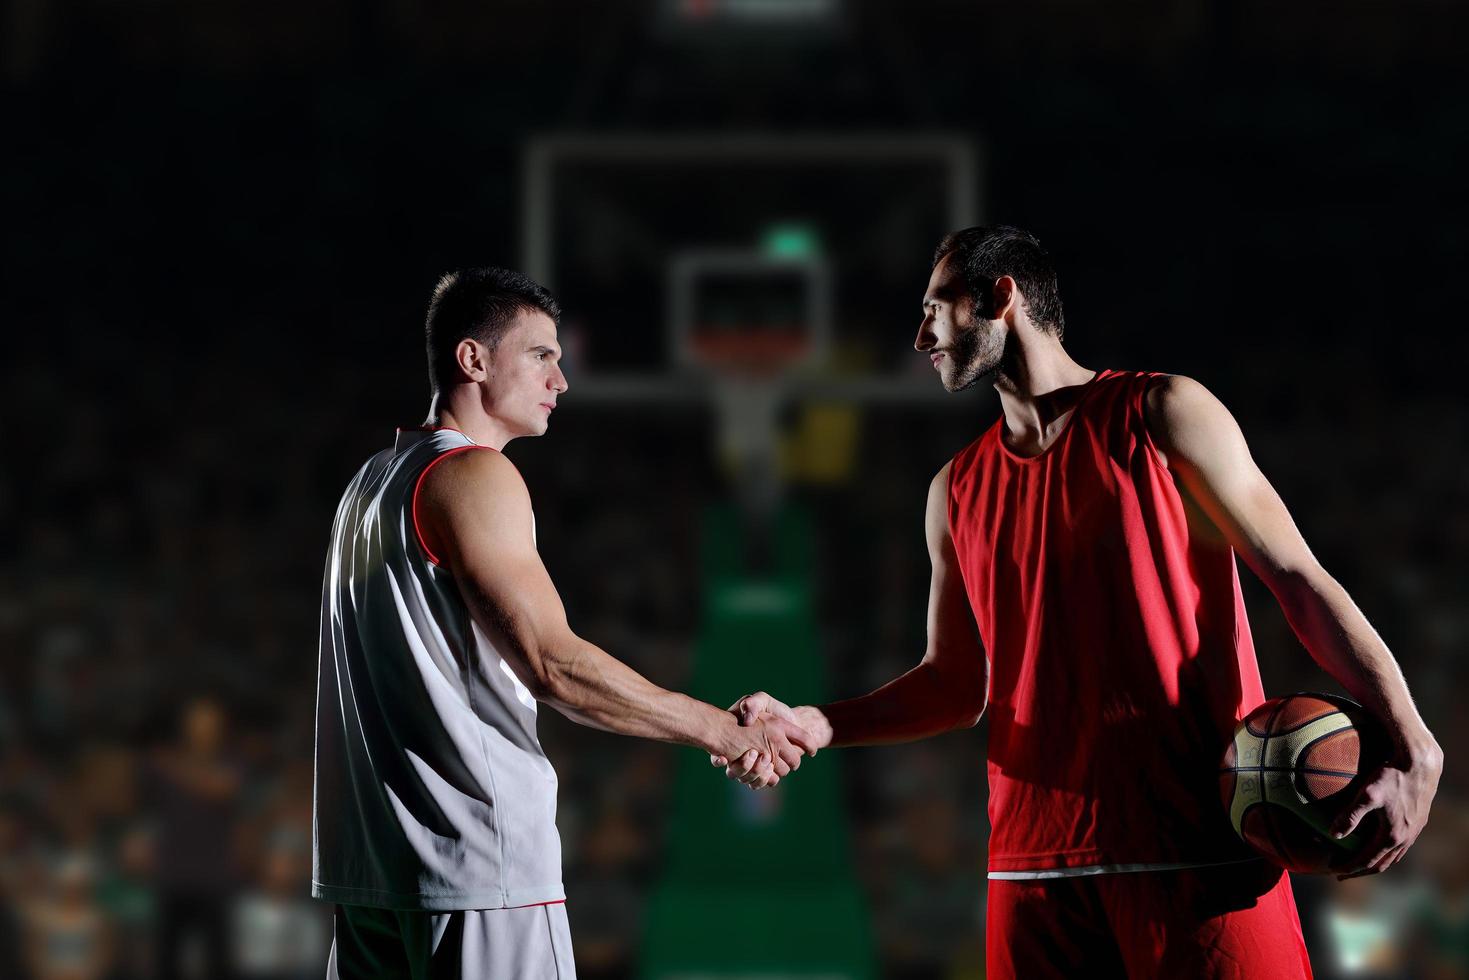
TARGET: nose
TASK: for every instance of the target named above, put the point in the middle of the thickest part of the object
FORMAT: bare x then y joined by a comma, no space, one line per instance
557,382
926,339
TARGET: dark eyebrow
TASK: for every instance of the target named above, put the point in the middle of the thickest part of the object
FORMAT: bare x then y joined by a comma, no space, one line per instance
543,349
948,289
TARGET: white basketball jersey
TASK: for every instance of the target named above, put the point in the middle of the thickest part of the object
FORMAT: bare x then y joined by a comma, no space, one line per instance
432,791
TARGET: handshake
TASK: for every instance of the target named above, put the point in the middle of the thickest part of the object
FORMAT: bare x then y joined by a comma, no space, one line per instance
777,736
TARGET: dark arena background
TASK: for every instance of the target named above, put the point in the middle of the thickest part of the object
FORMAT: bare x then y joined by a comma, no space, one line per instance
222,222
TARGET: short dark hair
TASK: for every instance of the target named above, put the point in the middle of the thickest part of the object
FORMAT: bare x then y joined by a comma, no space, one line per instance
478,304
984,254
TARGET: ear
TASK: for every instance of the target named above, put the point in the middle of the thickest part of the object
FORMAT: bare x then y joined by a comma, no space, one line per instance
1006,297
473,360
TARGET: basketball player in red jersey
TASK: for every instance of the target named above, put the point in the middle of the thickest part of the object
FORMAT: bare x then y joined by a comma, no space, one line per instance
1090,537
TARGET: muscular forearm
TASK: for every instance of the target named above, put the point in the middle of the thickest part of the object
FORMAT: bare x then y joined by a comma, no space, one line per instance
916,705
590,686
1340,639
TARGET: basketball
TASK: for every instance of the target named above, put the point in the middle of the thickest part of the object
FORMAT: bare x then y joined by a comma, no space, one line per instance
1295,762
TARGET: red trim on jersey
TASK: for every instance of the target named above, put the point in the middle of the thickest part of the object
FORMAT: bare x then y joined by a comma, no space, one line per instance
418,485
536,905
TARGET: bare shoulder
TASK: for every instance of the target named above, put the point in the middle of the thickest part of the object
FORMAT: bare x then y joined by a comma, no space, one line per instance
1185,418
938,494
1176,396
939,485
936,513
471,505
471,478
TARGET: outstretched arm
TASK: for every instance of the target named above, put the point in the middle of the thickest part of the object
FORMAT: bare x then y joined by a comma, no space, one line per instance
1202,444
949,687
474,512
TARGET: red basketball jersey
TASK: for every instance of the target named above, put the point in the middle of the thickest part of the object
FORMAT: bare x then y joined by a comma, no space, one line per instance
1120,655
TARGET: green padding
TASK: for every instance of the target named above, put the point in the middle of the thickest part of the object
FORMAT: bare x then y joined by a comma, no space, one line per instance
757,883
806,933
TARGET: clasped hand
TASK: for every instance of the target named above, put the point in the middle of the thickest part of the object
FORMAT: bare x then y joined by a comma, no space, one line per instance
788,733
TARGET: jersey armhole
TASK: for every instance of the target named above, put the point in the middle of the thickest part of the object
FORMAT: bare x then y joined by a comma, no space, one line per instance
418,485
949,500
966,455
1149,382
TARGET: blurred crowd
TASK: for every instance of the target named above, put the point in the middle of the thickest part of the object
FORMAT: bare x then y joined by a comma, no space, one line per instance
158,621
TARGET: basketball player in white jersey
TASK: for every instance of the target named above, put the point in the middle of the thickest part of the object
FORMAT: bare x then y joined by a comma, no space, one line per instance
435,806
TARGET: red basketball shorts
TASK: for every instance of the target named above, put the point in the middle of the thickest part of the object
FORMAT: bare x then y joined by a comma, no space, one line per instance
1233,922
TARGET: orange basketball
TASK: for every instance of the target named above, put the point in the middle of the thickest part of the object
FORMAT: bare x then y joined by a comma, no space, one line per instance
1294,763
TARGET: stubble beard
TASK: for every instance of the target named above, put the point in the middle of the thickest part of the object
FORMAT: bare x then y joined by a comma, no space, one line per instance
974,358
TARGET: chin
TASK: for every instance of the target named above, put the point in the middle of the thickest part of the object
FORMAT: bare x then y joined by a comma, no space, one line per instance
972,375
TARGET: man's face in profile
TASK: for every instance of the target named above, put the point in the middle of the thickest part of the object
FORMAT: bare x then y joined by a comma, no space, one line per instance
525,375
964,348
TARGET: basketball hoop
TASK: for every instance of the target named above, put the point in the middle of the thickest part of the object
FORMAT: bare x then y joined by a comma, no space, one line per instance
756,354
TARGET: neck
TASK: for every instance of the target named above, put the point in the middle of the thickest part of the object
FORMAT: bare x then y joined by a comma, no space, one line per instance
1038,382
462,410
